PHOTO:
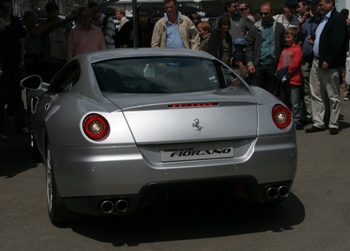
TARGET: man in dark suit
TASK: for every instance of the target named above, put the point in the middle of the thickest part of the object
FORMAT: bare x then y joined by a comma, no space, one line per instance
329,55
123,36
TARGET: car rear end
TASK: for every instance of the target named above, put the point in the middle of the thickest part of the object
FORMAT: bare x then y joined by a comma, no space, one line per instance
172,134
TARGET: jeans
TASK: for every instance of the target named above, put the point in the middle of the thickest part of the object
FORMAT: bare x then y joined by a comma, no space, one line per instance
293,93
305,74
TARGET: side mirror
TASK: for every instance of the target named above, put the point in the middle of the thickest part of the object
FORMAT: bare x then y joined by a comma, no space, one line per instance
33,82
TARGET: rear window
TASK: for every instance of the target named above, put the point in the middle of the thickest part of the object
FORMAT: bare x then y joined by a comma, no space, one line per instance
156,75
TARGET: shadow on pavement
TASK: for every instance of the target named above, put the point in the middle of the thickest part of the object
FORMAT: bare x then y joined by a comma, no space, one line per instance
186,222
15,153
342,124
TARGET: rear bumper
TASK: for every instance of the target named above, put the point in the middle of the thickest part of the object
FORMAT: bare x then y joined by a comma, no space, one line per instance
187,193
86,176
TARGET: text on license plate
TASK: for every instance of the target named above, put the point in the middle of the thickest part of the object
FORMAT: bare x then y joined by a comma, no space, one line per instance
191,153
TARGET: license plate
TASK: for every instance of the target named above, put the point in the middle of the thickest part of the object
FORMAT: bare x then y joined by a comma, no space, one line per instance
204,151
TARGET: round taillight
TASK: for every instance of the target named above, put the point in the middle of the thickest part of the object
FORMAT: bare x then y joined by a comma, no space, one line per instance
95,127
281,116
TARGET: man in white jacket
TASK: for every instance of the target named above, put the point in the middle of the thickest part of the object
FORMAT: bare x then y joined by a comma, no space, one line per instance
175,30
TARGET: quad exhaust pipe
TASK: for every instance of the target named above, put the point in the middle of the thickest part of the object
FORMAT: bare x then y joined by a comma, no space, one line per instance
108,207
283,191
271,193
275,192
122,206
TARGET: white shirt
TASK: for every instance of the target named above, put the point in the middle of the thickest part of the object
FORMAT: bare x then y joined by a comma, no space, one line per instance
319,30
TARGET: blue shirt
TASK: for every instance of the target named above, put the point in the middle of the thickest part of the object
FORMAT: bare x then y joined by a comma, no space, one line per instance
308,28
173,37
267,56
318,33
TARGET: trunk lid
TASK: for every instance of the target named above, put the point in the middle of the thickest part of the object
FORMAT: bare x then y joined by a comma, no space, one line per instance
188,117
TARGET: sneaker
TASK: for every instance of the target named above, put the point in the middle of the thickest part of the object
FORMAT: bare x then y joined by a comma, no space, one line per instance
346,98
2,136
25,130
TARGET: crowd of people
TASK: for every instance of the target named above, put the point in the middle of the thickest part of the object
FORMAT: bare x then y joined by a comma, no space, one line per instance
297,55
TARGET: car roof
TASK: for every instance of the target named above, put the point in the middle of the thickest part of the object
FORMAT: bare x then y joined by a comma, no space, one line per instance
141,52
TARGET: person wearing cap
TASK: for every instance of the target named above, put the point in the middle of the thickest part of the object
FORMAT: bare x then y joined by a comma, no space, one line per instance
264,43
329,51
175,30
288,18
239,44
308,29
144,25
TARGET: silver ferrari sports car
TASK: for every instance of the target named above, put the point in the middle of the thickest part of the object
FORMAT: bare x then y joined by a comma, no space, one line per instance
119,130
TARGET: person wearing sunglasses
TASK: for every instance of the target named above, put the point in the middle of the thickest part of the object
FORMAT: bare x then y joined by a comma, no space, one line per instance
264,43
289,17
239,24
245,8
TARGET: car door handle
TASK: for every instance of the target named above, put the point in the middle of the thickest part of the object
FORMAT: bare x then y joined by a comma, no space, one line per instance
34,103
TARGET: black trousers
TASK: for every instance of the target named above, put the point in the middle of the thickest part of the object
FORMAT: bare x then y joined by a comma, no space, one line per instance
11,94
264,77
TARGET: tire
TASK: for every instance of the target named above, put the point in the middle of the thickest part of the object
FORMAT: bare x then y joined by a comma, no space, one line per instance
58,213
